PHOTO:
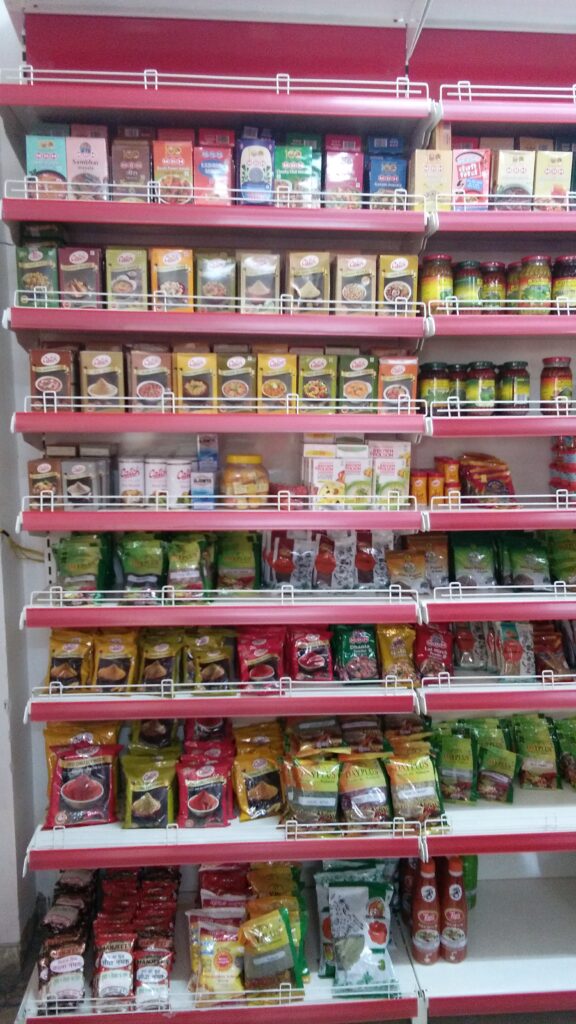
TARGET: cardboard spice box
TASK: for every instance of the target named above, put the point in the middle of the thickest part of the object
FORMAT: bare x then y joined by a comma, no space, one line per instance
386,174
102,381
471,178
259,282
37,275
213,175
80,277
317,382
150,379
46,162
430,176
294,177
237,383
172,279
127,278
308,281
343,178
277,377
195,381
397,280
44,479
513,178
216,281
131,170
355,290
255,170
87,162
51,375
357,384
173,171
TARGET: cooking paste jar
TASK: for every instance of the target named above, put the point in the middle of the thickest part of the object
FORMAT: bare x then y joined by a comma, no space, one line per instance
564,278
480,389
555,381
535,285
493,290
513,389
467,283
244,482
434,383
513,284
437,281
458,373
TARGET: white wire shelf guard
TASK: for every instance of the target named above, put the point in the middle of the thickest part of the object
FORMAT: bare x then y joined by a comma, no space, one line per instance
559,501
482,682
528,203
456,593
561,306
282,83
292,404
459,408
395,200
159,302
163,502
466,91
168,597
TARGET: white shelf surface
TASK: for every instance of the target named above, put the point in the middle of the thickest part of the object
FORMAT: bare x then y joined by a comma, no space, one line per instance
520,943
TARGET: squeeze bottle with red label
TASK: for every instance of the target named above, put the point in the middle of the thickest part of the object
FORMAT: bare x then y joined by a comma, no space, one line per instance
454,914
426,916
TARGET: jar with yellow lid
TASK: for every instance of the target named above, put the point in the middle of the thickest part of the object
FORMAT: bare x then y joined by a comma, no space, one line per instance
244,482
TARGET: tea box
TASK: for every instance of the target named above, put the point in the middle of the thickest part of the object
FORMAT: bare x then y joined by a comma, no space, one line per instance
172,279
552,179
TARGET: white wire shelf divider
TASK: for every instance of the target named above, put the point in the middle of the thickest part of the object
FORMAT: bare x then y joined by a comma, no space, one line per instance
541,682
248,505
528,203
561,306
399,88
466,91
31,188
43,298
169,597
561,501
458,408
166,402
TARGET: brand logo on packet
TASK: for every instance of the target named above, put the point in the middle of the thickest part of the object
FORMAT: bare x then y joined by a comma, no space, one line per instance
171,257
276,363
317,364
101,360
151,362
399,263
124,259
80,256
44,467
309,261
359,364
356,263
149,777
50,359
236,362
205,771
196,363
397,370
34,255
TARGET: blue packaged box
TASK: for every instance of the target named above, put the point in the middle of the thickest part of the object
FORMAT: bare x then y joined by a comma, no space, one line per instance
255,170
385,145
385,175
46,162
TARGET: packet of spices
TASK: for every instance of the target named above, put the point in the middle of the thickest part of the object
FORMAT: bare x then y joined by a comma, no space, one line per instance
142,560
308,281
355,653
80,278
363,789
257,784
159,660
221,963
115,657
298,913
37,275
215,281
69,660
414,787
497,769
457,767
83,786
360,924
205,795
149,791
312,796
152,969
259,282
270,956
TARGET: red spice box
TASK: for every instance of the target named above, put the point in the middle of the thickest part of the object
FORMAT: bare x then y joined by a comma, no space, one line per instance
216,137
471,178
343,178
173,171
213,170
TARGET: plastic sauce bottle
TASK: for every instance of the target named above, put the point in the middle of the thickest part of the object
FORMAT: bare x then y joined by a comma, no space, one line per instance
408,874
426,916
454,914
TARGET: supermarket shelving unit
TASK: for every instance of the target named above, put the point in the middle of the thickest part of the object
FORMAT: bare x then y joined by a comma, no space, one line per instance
537,822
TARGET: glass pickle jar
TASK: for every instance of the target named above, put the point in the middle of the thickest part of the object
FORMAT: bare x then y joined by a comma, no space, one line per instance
458,373
244,482
513,389
555,382
513,284
564,279
436,281
480,388
434,384
467,283
493,290
535,285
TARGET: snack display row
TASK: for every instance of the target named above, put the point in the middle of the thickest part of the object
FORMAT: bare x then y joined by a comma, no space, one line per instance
193,379
127,917
471,173
168,165
183,280
357,770
196,564
222,660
